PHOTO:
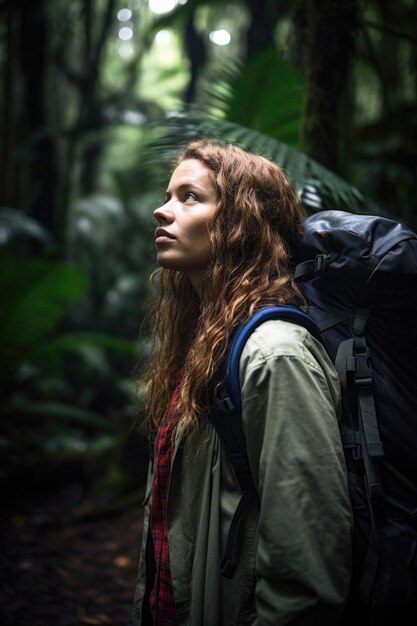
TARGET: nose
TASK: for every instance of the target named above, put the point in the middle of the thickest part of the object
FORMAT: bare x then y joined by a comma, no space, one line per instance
164,214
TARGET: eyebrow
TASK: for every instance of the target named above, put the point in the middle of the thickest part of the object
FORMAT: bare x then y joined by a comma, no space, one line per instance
187,186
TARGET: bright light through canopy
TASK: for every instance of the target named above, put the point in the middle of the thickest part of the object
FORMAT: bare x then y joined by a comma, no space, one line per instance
125,33
124,15
163,37
220,37
162,6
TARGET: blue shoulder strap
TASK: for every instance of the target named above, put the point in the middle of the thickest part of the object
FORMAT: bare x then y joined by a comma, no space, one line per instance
242,333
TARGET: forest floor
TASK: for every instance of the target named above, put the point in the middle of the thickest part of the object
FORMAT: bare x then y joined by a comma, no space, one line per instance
63,565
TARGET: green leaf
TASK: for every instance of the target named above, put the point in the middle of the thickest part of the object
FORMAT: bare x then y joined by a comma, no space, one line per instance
264,94
35,294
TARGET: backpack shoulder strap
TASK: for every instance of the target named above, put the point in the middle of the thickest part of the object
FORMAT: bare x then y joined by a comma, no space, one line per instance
242,333
226,416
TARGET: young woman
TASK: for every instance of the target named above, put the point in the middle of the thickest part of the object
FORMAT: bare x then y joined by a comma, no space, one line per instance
226,240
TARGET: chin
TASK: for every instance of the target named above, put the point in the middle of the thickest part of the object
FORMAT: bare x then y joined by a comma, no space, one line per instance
170,265
167,264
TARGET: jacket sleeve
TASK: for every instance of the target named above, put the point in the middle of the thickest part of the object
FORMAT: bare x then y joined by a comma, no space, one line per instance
303,557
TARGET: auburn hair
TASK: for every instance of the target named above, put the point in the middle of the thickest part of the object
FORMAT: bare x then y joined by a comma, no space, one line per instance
254,235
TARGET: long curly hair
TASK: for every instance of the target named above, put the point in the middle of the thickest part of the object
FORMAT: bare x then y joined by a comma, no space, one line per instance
254,235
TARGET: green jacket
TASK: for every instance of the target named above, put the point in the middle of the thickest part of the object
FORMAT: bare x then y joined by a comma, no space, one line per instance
295,551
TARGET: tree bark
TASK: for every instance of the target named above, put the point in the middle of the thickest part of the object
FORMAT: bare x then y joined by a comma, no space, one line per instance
329,37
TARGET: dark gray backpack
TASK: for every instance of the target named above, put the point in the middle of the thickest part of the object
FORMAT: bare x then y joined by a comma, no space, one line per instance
359,273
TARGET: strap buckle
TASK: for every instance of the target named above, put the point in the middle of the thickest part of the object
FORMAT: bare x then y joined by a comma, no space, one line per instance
321,263
223,401
353,440
363,371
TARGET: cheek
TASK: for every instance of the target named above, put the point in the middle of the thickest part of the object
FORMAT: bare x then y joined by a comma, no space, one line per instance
205,244
198,234
199,247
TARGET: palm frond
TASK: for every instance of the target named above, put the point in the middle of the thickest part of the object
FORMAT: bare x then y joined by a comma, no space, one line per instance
264,94
180,128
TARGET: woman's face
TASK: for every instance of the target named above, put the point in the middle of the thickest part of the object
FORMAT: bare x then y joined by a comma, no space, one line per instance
182,236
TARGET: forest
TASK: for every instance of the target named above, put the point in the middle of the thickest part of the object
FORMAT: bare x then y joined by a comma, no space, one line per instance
96,99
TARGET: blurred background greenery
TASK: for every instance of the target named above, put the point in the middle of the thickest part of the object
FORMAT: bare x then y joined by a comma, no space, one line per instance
96,98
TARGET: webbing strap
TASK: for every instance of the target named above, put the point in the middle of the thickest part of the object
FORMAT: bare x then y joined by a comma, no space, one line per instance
229,561
359,323
306,270
353,366
370,564
353,357
359,364
228,424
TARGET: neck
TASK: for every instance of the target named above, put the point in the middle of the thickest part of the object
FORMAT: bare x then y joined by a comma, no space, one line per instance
195,280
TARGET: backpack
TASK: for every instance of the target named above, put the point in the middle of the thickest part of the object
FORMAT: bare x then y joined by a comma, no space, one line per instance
359,275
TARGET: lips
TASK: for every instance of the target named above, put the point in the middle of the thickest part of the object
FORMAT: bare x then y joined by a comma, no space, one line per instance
162,235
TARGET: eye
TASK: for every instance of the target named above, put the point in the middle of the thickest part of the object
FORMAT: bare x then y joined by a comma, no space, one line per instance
189,196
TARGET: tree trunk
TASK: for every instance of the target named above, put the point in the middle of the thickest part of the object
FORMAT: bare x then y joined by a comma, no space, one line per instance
197,56
29,176
330,29
40,193
10,125
261,31
41,147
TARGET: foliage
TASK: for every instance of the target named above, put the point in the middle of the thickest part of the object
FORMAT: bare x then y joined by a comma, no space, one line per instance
330,191
52,378
263,94
91,125
35,293
386,161
112,239
14,223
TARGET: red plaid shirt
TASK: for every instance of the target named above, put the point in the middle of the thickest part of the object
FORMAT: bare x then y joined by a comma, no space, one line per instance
161,600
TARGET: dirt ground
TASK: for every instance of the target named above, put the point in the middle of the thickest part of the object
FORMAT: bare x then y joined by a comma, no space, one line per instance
62,566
